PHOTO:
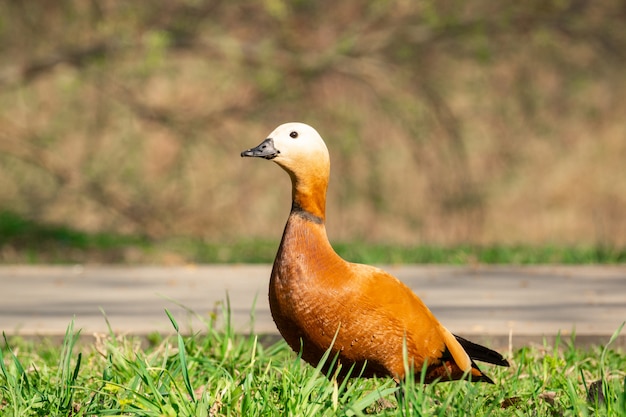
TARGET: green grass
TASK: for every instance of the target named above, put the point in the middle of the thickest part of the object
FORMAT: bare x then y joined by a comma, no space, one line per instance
31,242
216,372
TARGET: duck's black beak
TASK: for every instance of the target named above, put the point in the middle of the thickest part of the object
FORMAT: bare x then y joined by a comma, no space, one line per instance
265,150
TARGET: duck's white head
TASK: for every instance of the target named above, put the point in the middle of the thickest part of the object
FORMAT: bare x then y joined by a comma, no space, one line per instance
296,147
300,151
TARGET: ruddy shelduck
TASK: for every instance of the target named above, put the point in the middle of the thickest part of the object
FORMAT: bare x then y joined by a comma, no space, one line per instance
366,317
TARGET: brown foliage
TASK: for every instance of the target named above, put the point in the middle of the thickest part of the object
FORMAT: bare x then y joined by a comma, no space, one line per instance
447,122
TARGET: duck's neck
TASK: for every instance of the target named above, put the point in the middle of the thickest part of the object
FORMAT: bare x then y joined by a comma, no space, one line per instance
305,250
309,197
305,247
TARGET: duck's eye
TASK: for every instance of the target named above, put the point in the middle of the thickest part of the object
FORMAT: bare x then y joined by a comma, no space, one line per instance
293,134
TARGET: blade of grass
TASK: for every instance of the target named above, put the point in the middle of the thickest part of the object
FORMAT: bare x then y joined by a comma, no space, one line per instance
14,387
182,357
604,374
65,374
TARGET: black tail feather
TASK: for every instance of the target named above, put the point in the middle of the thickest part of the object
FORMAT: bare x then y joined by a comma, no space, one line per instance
482,377
481,353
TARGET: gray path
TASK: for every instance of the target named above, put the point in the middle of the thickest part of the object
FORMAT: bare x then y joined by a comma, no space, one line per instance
491,303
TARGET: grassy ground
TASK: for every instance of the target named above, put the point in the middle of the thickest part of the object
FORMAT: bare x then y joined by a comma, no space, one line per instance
217,372
26,241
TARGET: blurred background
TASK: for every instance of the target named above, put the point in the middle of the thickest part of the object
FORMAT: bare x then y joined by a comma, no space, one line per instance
448,122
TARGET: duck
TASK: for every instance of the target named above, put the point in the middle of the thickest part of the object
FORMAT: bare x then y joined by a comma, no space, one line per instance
368,319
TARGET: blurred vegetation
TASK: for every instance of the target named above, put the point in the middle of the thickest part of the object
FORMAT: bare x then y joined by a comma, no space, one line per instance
24,241
450,124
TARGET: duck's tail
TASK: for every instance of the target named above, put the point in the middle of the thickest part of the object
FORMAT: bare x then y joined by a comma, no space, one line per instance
481,353
460,355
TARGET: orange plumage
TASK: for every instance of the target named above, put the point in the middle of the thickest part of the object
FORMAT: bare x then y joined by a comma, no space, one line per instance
316,296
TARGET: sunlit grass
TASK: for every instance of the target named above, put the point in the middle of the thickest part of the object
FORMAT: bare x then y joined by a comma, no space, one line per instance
217,372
